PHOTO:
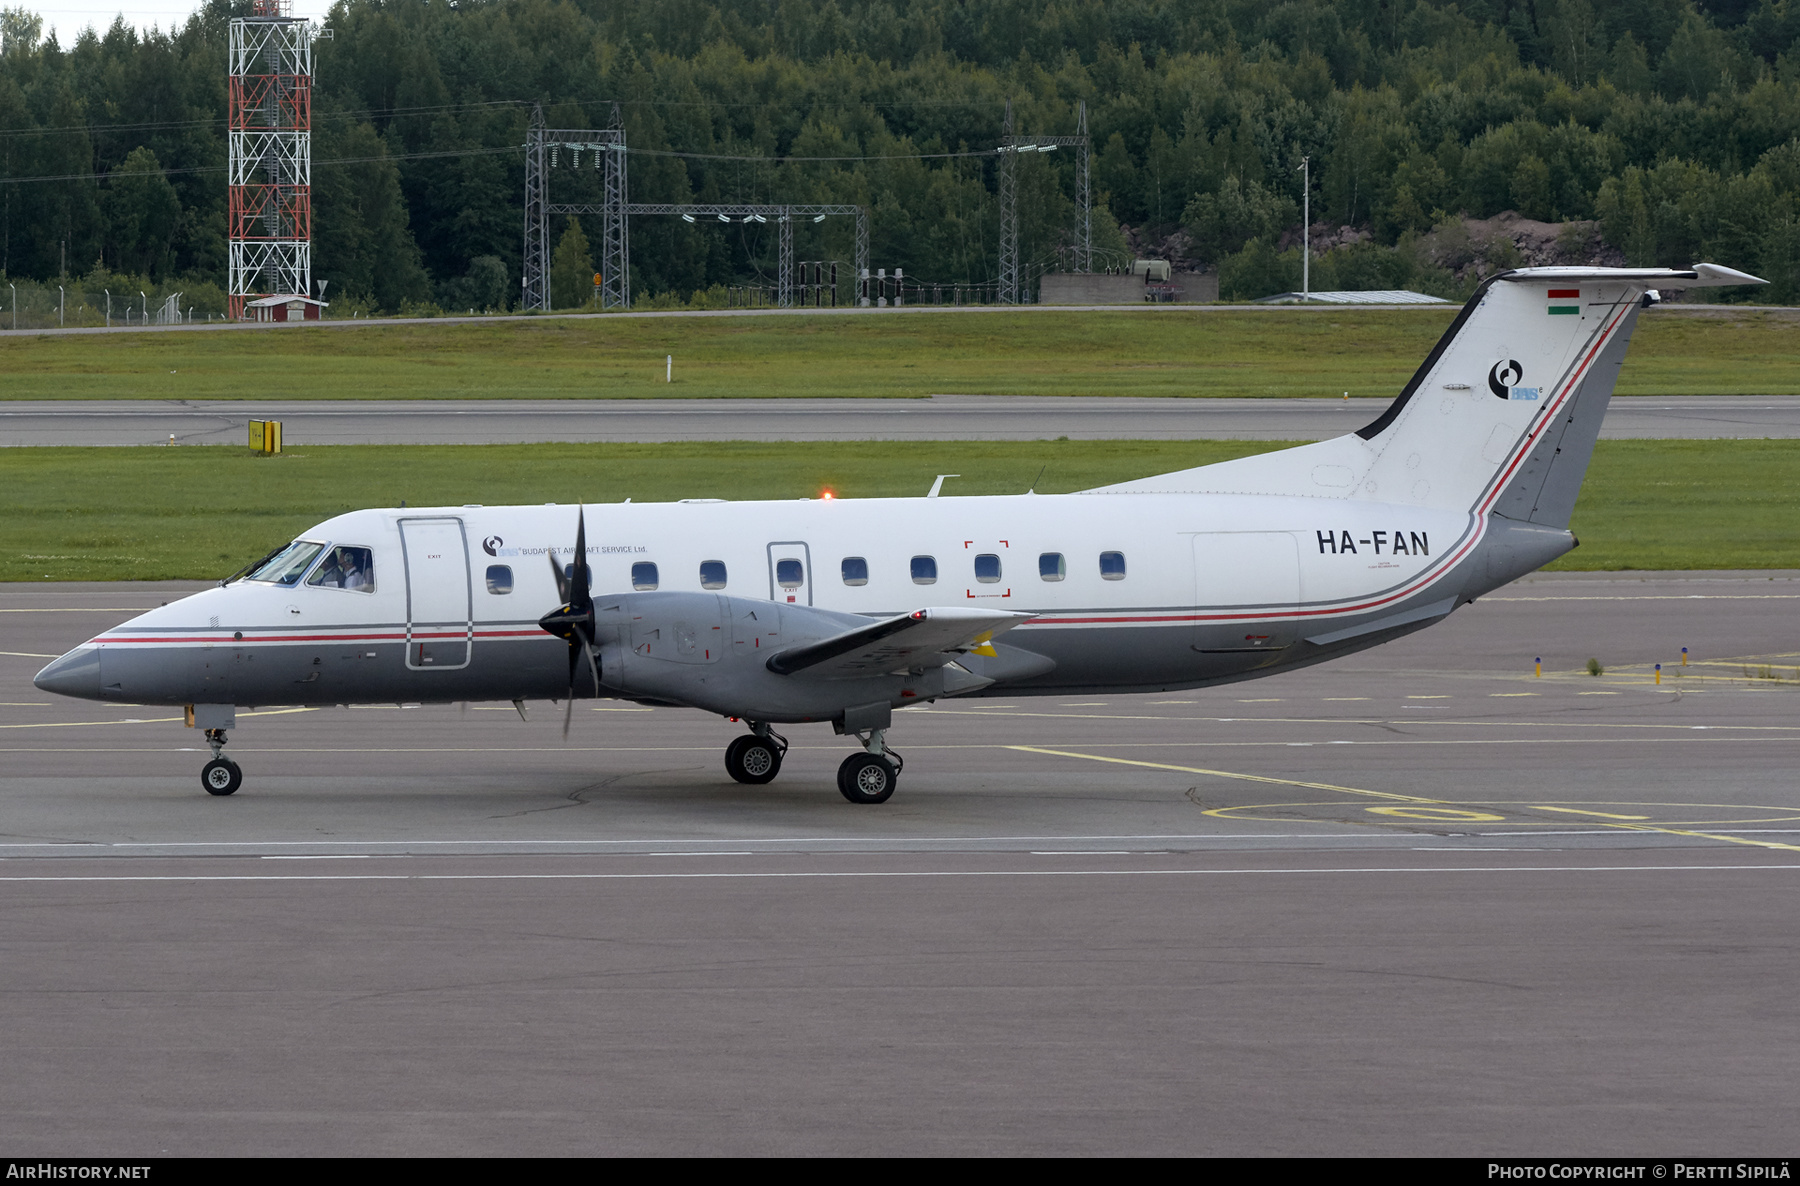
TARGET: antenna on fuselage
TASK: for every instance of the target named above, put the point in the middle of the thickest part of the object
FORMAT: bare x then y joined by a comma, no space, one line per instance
939,484
1036,480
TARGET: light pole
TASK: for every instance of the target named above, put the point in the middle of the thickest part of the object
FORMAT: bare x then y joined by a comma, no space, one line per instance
108,293
59,305
1305,228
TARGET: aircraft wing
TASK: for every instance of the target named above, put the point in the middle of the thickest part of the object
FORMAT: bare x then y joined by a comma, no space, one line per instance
926,637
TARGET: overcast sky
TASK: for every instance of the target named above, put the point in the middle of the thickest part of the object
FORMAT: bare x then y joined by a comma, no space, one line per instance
69,19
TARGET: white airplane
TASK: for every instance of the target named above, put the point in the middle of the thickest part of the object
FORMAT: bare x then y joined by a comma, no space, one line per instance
841,611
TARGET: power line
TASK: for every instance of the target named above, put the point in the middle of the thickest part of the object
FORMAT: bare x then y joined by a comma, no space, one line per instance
389,113
194,170
778,160
337,116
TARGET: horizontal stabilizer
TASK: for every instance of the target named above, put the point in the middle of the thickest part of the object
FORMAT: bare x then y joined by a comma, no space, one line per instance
1698,276
926,637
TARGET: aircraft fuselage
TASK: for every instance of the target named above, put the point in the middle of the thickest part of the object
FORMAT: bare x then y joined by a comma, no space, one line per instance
1128,592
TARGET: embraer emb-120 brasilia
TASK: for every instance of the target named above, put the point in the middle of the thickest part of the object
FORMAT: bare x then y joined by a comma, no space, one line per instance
841,610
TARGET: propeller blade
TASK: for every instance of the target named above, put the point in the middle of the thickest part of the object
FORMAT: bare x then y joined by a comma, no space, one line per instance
579,595
556,574
569,700
587,648
573,620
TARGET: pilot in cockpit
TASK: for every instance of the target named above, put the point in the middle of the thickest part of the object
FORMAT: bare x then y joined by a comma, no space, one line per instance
346,568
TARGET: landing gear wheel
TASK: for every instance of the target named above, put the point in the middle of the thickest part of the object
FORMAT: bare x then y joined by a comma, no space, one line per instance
865,778
221,776
752,759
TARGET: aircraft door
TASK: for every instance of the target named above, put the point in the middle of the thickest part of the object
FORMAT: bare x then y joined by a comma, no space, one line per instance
438,627
1244,582
790,573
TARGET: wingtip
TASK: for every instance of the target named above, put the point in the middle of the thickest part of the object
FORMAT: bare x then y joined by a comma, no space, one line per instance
1715,274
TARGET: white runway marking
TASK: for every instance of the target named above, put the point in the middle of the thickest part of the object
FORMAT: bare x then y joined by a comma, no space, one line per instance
747,875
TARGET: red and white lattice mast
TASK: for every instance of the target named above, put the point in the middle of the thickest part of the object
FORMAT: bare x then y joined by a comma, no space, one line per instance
269,220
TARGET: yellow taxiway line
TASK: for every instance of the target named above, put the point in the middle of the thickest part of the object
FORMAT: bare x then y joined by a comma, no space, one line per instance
1325,786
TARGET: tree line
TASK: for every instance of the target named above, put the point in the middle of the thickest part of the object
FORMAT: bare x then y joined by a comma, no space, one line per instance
1664,129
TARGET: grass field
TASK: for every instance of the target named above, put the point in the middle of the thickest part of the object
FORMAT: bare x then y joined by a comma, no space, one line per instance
151,513
1368,352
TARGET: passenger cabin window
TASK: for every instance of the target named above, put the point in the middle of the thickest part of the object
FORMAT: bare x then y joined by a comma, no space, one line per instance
499,579
1051,567
569,574
987,568
856,570
789,574
712,574
924,570
346,568
287,566
1112,566
643,575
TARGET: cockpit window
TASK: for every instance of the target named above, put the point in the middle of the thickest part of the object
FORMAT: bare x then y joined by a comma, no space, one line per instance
346,568
287,566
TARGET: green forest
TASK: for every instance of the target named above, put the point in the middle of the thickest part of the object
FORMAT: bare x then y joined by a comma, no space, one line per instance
1620,131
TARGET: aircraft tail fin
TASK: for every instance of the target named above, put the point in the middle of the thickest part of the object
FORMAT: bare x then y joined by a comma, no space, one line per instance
1501,417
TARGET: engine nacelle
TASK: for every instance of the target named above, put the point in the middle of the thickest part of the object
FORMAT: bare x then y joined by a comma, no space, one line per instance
712,651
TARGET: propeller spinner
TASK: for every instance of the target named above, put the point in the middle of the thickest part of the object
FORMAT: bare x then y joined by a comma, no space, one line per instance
574,620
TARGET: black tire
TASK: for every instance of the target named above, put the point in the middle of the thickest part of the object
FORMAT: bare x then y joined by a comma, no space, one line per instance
221,776
865,778
753,760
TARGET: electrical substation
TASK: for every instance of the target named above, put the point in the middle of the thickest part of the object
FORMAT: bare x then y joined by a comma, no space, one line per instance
607,149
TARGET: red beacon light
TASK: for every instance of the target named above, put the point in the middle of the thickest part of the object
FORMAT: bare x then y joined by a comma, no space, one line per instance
828,496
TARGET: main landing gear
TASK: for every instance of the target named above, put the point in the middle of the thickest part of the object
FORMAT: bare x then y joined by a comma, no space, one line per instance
867,777
756,757
870,777
220,776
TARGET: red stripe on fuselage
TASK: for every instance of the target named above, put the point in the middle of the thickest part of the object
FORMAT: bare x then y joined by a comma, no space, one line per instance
398,636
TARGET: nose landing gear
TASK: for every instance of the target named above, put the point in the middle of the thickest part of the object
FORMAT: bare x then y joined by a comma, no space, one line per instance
221,776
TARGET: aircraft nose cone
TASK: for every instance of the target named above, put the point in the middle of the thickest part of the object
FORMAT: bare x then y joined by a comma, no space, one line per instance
75,674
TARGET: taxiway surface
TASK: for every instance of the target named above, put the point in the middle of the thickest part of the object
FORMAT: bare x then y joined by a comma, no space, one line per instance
1416,901
944,417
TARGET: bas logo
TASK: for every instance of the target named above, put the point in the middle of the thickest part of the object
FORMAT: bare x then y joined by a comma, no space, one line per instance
1503,381
492,545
